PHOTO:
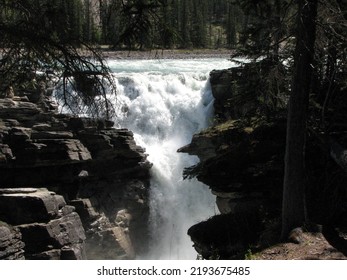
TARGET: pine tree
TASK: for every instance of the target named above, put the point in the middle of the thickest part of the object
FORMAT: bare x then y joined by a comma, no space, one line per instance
185,24
36,36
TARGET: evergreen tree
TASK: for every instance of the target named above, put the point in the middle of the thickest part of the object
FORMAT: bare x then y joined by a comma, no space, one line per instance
36,37
293,209
185,24
199,26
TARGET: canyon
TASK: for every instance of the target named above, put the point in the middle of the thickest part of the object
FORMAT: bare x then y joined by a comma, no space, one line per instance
81,188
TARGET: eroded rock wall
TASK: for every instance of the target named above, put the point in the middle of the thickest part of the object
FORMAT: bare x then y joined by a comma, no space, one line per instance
91,165
241,160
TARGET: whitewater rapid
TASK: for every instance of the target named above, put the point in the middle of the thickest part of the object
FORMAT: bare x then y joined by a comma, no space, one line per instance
164,102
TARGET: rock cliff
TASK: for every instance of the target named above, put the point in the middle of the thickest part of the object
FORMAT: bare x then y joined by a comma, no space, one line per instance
242,160
96,169
242,165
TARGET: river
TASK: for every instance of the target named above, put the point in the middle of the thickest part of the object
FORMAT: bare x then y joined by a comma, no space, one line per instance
164,102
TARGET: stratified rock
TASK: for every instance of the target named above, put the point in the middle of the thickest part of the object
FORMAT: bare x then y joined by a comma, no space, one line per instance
11,245
24,111
46,224
216,140
105,240
82,159
65,232
42,134
19,206
113,143
243,166
235,158
122,212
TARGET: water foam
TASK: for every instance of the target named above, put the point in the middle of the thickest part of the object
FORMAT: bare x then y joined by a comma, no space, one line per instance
164,102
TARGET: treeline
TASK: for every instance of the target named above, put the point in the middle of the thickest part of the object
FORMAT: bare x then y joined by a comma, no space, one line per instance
170,23
140,24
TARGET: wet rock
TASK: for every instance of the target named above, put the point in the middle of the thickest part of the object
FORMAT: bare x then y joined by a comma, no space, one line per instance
119,210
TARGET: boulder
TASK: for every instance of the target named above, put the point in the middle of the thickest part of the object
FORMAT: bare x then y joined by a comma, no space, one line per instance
226,236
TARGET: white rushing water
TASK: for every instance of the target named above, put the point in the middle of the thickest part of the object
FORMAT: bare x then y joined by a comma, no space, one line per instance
164,102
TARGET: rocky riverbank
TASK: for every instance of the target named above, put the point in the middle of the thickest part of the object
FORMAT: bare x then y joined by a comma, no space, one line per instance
70,188
168,54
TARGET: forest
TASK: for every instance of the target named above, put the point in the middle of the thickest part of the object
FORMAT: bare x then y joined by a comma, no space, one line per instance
297,68
145,24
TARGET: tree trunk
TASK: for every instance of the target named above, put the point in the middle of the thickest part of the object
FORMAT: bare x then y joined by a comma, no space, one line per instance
293,207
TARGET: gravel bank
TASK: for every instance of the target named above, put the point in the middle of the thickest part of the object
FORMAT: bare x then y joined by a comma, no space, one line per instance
169,54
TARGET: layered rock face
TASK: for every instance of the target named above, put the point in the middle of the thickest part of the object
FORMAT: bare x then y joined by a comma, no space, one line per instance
11,244
242,165
242,162
96,168
43,223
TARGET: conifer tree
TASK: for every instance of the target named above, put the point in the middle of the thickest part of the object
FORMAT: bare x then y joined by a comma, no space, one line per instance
293,209
36,37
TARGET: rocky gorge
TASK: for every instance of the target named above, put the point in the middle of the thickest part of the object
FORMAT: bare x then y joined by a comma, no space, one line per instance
241,159
70,187
78,188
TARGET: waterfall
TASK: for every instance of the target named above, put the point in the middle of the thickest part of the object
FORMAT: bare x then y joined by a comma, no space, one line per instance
164,102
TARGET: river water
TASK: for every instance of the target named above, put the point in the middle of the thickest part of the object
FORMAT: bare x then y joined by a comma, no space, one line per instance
164,102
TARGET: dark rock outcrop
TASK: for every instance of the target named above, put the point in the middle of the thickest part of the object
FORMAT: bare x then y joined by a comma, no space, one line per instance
49,228
97,168
241,160
225,236
242,165
11,244
225,85
243,91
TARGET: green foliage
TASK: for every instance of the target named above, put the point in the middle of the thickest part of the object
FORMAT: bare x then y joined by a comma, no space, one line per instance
258,88
36,37
268,34
170,23
249,255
